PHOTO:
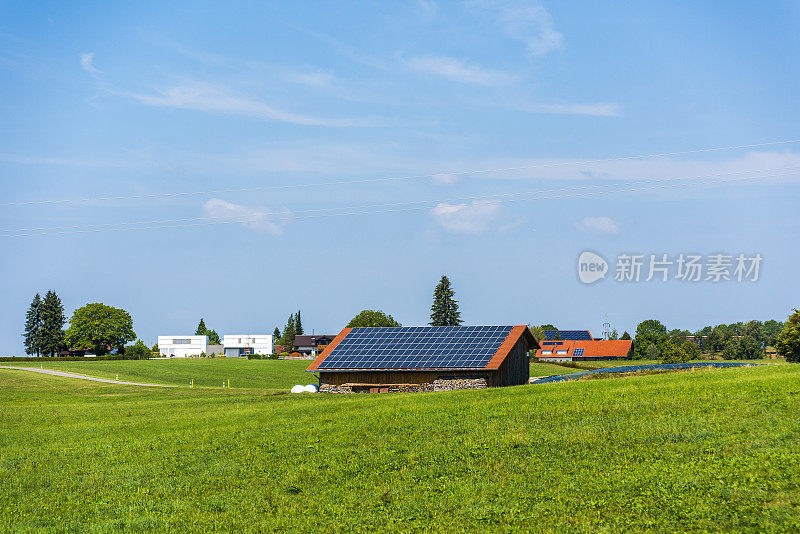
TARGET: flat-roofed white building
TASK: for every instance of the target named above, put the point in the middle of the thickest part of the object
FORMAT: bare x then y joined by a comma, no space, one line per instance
244,344
182,346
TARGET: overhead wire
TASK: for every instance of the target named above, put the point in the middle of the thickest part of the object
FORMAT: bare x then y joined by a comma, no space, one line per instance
573,192
395,178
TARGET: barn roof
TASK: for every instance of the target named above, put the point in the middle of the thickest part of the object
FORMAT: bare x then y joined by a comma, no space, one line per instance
420,348
602,348
568,334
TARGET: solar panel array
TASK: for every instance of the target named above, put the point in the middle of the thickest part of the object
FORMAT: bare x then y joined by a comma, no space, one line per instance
577,352
417,347
574,335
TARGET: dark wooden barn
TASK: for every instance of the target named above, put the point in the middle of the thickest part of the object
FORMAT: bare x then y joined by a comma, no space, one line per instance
425,358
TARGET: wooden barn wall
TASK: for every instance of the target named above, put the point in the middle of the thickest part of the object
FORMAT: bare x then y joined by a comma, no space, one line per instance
337,378
515,370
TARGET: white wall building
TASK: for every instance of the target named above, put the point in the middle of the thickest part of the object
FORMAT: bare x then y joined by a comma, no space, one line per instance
182,346
244,344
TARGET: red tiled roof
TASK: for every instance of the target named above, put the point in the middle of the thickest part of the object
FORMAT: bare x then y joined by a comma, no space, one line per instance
332,345
604,348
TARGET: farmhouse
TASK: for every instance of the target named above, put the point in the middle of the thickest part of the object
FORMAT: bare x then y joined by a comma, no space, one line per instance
312,345
574,350
424,358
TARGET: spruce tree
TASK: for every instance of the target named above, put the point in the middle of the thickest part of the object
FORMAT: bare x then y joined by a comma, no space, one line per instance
288,334
33,326
201,328
53,319
276,334
298,324
444,311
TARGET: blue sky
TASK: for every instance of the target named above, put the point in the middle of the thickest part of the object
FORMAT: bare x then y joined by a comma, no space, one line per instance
101,100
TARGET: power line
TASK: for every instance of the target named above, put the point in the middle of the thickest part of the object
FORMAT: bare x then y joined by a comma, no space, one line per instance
283,214
395,178
524,197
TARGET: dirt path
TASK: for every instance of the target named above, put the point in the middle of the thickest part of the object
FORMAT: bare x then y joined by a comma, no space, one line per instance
84,377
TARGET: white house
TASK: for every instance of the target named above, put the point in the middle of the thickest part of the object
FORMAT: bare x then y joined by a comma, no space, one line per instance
182,346
244,344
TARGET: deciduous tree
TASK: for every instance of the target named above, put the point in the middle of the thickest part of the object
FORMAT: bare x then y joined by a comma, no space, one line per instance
649,332
137,351
99,328
372,318
788,344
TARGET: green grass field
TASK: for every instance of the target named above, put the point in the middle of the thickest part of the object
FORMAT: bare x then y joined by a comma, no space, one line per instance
700,450
242,373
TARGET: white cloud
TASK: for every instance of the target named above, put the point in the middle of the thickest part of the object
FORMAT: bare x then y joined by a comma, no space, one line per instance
251,217
205,97
598,225
445,179
471,218
527,22
600,109
87,63
459,71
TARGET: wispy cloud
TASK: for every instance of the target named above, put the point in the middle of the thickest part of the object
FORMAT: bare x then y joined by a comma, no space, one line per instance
206,97
311,78
254,218
600,109
598,225
87,63
528,22
428,8
471,218
459,71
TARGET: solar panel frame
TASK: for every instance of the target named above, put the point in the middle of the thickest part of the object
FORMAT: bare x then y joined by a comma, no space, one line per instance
416,348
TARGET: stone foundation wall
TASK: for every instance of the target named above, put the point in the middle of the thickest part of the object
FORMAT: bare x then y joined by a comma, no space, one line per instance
391,388
441,384
450,384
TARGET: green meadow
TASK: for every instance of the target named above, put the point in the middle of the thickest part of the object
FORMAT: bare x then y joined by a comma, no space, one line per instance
703,450
206,372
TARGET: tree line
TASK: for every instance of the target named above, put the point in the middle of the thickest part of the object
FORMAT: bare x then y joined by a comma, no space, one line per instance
737,341
94,327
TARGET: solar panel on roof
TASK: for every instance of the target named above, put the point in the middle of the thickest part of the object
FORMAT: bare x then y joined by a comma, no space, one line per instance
574,335
417,347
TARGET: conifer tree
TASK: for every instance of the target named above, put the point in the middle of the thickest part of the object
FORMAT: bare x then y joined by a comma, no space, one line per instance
201,328
288,334
33,327
444,311
276,334
53,319
298,324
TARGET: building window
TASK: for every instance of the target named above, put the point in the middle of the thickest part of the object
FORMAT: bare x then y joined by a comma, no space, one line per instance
181,341
561,352
547,352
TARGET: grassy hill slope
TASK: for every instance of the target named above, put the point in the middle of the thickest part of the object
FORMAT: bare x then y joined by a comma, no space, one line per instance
700,450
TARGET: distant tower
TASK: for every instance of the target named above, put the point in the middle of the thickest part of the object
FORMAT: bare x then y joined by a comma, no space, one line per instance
606,329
